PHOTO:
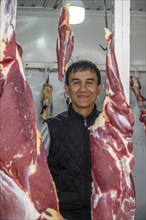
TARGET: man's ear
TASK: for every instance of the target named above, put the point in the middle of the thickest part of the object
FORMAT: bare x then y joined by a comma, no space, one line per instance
66,89
99,89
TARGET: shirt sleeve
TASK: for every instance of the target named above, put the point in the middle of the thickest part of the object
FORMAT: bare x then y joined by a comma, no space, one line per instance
45,137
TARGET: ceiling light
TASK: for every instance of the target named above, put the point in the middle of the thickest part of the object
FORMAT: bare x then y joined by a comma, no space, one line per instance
76,11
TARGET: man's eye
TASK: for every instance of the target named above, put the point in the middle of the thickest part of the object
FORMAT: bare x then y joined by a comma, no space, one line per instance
75,83
90,82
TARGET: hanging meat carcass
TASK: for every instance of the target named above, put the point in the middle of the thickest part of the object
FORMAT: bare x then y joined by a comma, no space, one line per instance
27,189
141,100
142,117
47,100
65,41
113,194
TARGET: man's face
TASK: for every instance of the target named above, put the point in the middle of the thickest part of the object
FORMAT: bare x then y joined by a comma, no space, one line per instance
83,89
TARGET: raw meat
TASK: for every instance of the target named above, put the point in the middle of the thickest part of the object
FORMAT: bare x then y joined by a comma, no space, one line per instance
47,103
113,194
27,189
141,100
142,117
65,42
15,203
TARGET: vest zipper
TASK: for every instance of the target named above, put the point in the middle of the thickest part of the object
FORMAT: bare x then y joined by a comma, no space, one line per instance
86,161
85,123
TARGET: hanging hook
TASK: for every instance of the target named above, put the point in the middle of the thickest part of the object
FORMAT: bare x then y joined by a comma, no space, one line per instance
105,12
106,23
47,79
103,47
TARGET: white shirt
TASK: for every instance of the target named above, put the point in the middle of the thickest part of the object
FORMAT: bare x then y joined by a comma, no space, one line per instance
45,136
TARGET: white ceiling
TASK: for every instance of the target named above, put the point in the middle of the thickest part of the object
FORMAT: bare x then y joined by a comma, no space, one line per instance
136,5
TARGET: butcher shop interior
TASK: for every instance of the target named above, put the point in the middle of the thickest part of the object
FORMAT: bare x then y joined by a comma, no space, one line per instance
36,28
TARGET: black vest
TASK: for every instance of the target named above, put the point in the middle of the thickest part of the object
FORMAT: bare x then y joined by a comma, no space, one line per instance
69,158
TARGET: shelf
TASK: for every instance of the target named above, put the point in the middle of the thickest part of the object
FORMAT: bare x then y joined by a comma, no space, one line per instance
52,66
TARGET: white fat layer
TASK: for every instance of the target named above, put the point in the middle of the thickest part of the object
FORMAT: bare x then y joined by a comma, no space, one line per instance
30,171
110,92
38,141
99,122
112,193
18,155
20,64
128,200
9,18
6,19
32,168
5,70
122,118
96,196
96,200
125,164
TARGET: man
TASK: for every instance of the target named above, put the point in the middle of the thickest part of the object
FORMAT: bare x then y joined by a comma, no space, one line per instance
66,139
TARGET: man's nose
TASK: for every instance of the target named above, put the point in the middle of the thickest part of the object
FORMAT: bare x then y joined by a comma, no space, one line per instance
83,86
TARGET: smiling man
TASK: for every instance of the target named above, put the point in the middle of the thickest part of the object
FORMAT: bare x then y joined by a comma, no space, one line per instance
66,139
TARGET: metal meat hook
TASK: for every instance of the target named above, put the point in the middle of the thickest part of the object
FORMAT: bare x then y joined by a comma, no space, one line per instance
106,23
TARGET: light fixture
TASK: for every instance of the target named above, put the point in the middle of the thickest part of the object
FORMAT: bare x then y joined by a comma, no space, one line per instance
76,11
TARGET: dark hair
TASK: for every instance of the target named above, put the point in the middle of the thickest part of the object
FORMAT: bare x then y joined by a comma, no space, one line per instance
82,65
